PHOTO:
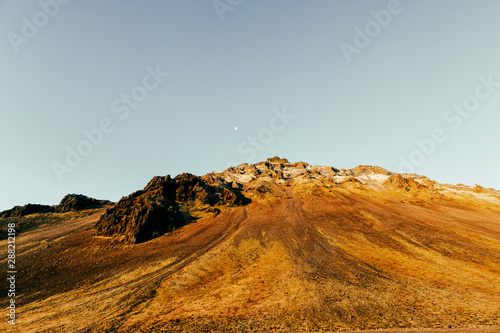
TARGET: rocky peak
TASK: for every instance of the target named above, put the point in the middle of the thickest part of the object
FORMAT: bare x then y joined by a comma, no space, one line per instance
71,202
75,202
166,204
399,182
19,211
278,160
300,165
368,169
158,181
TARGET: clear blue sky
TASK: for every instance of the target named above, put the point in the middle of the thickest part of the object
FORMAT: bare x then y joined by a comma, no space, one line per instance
351,98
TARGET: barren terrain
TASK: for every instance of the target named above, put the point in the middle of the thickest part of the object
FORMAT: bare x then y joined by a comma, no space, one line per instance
313,249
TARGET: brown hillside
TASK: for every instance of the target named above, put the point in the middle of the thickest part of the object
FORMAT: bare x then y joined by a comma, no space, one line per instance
276,246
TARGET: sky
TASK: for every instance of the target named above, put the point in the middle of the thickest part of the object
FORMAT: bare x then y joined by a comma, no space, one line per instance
98,97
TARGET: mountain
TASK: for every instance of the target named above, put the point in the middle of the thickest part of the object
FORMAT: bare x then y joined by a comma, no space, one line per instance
71,202
166,204
31,216
269,246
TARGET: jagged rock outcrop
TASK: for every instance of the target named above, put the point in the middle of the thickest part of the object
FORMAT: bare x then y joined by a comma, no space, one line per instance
368,169
300,165
76,202
70,203
19,211
399,182
277,160
166,204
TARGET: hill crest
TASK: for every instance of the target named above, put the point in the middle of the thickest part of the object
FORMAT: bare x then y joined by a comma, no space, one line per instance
167,204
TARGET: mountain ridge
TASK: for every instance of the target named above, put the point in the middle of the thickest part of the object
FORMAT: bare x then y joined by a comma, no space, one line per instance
70,202
171,202
273,246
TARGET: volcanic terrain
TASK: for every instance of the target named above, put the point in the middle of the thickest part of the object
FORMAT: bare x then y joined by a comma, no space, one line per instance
274,246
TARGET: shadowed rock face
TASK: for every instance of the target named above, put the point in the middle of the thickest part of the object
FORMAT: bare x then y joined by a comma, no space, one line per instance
70,203
19,211
75,202
166,204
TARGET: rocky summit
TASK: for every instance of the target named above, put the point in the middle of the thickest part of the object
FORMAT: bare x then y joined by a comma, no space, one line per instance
272,246
70,203
166,204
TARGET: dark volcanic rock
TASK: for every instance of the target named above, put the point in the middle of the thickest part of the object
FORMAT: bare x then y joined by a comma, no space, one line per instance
71,202
161,206
28,209
75,202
